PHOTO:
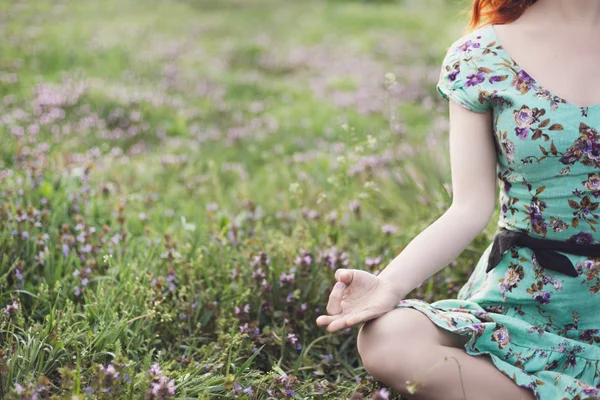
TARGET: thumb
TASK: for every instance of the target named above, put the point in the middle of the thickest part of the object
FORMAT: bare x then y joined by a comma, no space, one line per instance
344,275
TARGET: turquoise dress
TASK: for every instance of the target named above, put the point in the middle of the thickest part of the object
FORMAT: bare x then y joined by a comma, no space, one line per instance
540,327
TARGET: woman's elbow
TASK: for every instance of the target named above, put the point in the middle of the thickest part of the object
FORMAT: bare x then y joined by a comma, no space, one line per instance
478,210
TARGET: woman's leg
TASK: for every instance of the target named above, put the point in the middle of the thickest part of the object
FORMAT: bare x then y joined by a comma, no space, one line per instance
405,345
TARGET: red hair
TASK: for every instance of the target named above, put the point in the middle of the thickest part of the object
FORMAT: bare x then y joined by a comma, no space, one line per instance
496,12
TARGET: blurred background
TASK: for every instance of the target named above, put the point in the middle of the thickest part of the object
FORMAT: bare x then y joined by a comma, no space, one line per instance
179,181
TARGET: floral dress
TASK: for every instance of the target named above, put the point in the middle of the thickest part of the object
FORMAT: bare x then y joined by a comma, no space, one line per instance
540,327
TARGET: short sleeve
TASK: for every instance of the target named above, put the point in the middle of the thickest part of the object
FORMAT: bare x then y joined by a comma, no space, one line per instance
463,80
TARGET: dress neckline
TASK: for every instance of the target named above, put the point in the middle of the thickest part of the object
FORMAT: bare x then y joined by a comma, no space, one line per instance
530,77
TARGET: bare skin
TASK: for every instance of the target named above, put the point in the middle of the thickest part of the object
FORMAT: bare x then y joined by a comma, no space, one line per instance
555,41
404,344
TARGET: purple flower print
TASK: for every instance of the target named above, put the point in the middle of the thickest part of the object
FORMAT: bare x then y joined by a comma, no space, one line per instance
524,117
588,264
535,214
522,82
592,151
587,335
569,327
478,329
586,148
538,224
522,133
526,79
501,336
466,46
542,297
582,237
571,354
592,183
570,156
452,75
551,366
558,225
474,79
509,150
525,76
590,390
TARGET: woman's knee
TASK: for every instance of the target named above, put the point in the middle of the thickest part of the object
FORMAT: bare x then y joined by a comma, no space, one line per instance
389,339
391,328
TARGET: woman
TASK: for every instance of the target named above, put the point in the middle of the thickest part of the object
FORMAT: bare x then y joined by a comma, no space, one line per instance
525,112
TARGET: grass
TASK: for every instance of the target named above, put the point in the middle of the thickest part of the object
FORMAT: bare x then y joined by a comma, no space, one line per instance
179,180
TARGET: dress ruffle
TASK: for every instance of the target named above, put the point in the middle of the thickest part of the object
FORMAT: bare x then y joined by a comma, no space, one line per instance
564,368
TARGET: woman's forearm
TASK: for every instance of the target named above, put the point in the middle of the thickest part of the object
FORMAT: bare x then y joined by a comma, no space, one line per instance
434,248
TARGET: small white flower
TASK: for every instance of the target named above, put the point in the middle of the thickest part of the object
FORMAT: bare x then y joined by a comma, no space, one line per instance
371,141
322,196
186,226
390,79
371,185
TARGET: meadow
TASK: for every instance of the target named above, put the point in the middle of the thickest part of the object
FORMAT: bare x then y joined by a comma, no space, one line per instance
179,181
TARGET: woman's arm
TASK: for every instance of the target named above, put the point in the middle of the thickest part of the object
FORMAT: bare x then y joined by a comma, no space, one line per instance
473,168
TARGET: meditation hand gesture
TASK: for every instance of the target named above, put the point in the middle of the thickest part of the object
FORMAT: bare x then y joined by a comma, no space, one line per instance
357,297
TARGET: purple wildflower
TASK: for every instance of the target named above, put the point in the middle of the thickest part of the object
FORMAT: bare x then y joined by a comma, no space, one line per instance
381,394
389,229
155,370
162,388
11,309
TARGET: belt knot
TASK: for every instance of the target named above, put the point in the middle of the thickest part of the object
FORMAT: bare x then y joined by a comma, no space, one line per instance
545,250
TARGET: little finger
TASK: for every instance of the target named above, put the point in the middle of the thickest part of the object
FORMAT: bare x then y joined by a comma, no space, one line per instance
338,324
361,316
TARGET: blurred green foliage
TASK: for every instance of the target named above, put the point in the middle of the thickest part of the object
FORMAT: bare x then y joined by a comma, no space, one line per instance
179,180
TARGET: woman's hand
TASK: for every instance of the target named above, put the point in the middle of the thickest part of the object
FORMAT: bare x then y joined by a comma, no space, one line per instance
357,297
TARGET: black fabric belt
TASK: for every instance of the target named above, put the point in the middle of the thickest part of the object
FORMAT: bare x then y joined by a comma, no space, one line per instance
545,250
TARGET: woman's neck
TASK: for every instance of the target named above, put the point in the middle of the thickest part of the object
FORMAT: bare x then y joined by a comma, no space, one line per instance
572,13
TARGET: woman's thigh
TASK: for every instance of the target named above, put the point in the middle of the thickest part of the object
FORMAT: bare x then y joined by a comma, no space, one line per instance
412,323
400,345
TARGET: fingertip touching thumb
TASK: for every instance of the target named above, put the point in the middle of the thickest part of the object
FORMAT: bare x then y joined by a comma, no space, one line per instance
343,275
